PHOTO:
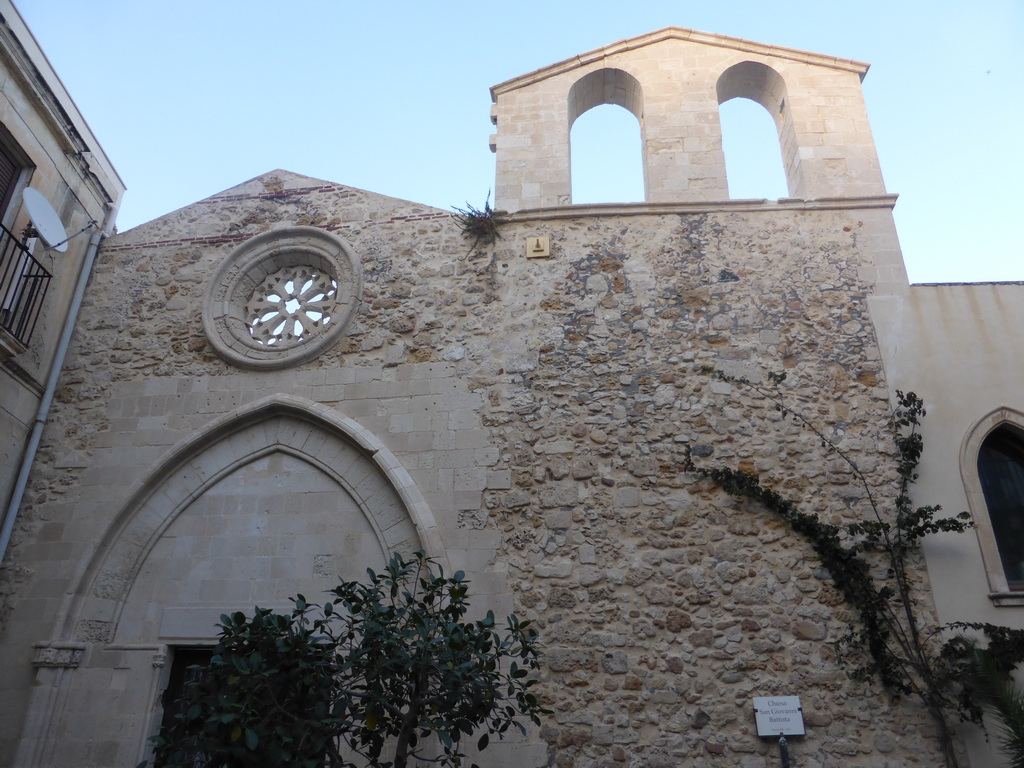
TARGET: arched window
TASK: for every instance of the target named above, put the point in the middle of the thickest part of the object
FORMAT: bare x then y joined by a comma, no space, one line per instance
761,84
992,468
1001,471
606,157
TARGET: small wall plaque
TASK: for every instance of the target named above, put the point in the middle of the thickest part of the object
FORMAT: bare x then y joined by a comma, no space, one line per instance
778,716
538,247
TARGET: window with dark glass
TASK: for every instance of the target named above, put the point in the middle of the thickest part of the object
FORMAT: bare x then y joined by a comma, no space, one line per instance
1001,469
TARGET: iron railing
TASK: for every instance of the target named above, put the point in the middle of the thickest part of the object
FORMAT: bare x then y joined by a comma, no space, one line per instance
23,284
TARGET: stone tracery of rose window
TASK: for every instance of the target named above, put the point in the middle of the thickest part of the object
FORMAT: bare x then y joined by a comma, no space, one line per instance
291,305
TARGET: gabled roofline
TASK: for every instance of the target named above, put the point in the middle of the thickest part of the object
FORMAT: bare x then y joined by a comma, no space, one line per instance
678,33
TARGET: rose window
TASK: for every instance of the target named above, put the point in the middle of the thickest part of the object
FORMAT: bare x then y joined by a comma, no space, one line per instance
291,305
282,298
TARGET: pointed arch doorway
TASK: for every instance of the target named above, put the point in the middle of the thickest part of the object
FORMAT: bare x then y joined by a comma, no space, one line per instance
281,497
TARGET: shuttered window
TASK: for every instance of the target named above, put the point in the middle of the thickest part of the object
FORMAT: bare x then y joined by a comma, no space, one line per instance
9,171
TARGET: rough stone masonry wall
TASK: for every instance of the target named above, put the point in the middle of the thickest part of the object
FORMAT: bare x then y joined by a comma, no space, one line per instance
542,407
665,605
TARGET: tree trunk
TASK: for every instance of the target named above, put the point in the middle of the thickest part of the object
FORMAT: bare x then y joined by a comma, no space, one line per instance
408,729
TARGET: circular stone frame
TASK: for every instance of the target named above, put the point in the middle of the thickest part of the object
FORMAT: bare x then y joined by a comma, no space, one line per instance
245,270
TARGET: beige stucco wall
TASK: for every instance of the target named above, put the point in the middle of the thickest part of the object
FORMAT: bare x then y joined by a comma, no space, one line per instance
958,347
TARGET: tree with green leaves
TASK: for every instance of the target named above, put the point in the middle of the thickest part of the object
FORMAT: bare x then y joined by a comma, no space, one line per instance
870,563
370,674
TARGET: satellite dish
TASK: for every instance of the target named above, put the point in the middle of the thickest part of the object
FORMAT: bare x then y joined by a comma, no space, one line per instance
45,220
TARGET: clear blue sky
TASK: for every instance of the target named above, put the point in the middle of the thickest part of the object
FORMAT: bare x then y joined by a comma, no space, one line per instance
191,97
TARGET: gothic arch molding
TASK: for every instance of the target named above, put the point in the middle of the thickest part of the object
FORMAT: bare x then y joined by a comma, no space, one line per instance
334,444
969,449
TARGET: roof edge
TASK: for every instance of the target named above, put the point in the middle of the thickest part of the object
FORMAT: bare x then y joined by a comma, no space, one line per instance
678,33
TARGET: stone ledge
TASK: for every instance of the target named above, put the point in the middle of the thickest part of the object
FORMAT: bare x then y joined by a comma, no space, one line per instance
1006,599
10,346
715,206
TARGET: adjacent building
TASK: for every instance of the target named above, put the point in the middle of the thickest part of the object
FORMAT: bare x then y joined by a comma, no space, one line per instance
46,148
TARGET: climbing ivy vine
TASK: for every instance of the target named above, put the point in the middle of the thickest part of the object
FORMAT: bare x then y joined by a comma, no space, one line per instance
869,563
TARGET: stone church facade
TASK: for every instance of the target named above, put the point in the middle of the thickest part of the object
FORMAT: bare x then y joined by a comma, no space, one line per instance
280,384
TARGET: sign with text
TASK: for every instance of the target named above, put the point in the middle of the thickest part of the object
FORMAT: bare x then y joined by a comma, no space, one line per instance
778,716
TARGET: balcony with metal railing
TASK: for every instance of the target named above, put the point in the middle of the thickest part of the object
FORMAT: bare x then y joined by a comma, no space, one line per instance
23,285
